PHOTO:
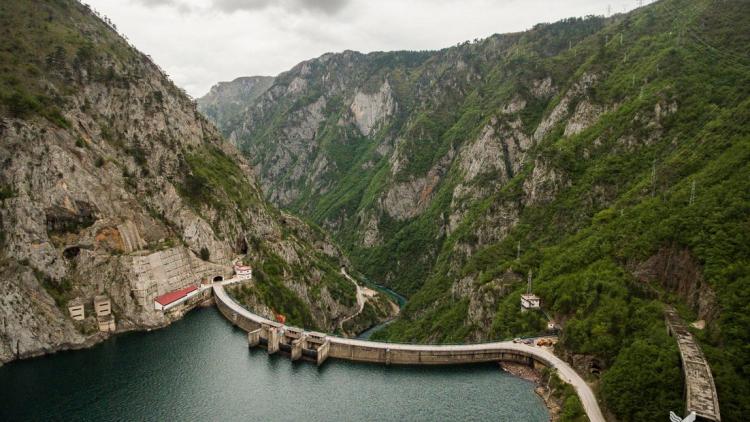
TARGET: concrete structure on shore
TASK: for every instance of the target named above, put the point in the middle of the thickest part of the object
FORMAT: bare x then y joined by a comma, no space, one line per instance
104,318
76,309
700,390
102,306
318,347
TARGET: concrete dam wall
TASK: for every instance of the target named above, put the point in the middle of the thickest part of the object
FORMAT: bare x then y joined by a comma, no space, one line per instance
318,347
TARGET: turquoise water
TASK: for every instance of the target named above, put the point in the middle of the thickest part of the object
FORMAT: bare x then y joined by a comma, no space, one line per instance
201,369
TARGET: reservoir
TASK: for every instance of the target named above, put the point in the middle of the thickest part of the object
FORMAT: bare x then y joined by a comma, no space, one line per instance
200,368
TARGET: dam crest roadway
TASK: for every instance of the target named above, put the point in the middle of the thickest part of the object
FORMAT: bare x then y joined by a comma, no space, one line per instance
319,347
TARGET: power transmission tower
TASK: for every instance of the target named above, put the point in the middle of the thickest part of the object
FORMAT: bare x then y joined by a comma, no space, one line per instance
609,10
518,251
528,285
692,193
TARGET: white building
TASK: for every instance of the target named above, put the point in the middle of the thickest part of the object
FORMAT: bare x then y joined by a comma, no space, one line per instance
174,298
530,300
243,272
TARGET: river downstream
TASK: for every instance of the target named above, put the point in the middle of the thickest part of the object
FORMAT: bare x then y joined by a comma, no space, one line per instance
200,368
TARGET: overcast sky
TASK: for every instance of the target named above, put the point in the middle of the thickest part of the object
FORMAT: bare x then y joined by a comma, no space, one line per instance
201,42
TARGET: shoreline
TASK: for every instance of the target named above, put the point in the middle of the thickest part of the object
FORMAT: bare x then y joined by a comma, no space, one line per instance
100,337
554,407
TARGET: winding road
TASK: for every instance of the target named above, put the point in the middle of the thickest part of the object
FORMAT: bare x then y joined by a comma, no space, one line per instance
360,299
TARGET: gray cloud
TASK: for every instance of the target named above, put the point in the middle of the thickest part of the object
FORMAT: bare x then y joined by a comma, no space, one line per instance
328,7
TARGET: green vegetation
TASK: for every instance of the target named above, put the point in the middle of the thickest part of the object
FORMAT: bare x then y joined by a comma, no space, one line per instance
572,409
213,179
673,81
269,290
585,244
37,39
6,192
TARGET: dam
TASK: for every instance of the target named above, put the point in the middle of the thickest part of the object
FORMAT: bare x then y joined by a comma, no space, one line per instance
319,347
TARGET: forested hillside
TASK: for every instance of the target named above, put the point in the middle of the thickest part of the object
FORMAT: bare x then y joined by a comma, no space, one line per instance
610,157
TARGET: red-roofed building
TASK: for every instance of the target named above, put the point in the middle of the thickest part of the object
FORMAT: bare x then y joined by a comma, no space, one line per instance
243,272
174,298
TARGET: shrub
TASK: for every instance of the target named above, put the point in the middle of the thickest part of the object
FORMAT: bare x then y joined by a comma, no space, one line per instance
205,254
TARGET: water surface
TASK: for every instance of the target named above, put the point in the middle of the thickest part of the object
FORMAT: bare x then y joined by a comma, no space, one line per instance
200,368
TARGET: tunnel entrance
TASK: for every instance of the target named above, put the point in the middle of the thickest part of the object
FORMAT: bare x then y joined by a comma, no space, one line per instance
218,278
71,252
241,245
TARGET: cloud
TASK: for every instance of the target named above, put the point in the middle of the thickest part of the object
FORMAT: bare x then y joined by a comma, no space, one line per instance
327,7
156,3
201,42
181,6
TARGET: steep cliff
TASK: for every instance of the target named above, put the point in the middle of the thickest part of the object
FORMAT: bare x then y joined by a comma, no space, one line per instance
112,183
228,100
608,156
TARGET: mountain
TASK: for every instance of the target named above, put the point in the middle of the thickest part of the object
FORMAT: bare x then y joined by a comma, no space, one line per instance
227,100
113,183
610,157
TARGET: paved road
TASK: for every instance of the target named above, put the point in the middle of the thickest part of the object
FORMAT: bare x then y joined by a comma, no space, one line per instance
564,371
360,299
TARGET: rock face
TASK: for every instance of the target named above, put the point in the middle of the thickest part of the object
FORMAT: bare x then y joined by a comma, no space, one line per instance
114,184
371,109
450,175
378,146
226,100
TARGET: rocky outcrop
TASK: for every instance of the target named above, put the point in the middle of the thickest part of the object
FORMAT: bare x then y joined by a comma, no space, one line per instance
129,193
544,184
227,99
562,109
370,109
406,200
676,270
584,115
